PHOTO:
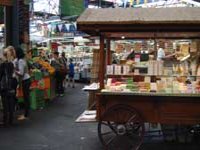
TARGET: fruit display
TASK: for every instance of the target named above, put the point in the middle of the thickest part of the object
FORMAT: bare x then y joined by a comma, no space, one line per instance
44,65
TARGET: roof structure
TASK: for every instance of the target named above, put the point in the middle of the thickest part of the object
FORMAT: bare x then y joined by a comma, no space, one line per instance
140,16
96,21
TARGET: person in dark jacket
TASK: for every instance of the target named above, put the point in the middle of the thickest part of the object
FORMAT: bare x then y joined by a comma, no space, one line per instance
64,70
8,87
58,74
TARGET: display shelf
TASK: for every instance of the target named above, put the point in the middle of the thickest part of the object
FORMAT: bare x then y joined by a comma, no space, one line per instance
138,66
103,92
131,75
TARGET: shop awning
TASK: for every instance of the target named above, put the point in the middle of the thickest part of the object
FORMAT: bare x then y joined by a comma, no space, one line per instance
94,21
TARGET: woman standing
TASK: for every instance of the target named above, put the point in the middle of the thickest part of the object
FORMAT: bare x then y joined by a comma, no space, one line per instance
8,86
22,72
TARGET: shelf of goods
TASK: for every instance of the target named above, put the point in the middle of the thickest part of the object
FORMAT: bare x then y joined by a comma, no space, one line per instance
42,85
40,92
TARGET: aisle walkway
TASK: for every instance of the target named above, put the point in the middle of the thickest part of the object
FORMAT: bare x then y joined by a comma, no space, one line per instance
54,129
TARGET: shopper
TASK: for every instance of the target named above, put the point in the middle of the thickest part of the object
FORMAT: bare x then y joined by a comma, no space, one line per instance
22,72
58,75
71,74
13,57
8,87
64,69
161,53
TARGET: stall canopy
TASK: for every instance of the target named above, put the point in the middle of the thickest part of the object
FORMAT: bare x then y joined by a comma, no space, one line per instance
154,20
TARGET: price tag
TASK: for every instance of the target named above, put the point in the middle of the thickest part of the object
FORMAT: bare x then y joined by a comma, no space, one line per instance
147,79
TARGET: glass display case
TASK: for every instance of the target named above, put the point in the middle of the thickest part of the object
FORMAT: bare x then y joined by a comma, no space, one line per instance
160,66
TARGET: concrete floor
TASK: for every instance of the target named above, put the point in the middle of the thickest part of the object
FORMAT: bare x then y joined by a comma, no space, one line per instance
53,128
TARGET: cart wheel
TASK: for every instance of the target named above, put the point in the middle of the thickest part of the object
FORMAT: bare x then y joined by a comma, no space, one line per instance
126,132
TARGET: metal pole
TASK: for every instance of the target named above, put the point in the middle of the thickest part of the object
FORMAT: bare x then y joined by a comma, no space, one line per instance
99,4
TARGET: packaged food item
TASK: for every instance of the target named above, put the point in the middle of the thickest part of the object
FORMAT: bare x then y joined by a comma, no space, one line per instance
117,69
110,70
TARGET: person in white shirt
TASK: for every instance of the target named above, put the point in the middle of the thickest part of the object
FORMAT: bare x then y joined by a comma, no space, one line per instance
22,72
160,54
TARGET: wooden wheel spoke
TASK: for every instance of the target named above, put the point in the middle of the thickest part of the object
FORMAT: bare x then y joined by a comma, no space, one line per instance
134,126
105,123
112,128
133,118
113,123
107,133
111,140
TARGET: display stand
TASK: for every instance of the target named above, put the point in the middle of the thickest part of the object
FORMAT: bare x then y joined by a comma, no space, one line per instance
120,112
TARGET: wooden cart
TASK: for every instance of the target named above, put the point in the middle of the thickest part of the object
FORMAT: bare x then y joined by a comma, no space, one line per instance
122,116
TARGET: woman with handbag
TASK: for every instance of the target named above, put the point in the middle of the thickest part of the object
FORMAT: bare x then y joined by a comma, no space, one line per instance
8,87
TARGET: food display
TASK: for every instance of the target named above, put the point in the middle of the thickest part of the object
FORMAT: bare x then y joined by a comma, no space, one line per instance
43,64
177,72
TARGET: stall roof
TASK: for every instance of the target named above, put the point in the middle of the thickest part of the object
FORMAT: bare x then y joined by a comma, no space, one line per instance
140,15
96,21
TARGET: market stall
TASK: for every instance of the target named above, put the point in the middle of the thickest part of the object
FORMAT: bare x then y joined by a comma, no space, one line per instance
42,83
157,83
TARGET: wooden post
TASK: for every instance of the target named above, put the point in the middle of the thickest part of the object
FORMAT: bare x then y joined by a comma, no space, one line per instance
8,23
108,52
102,62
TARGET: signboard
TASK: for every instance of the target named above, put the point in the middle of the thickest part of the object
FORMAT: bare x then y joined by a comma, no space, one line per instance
6,2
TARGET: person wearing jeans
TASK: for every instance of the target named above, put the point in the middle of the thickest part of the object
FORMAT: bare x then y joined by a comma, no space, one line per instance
26,92
24,78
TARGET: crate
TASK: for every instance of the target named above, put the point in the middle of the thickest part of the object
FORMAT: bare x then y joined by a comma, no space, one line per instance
47,82
37,99
37,75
